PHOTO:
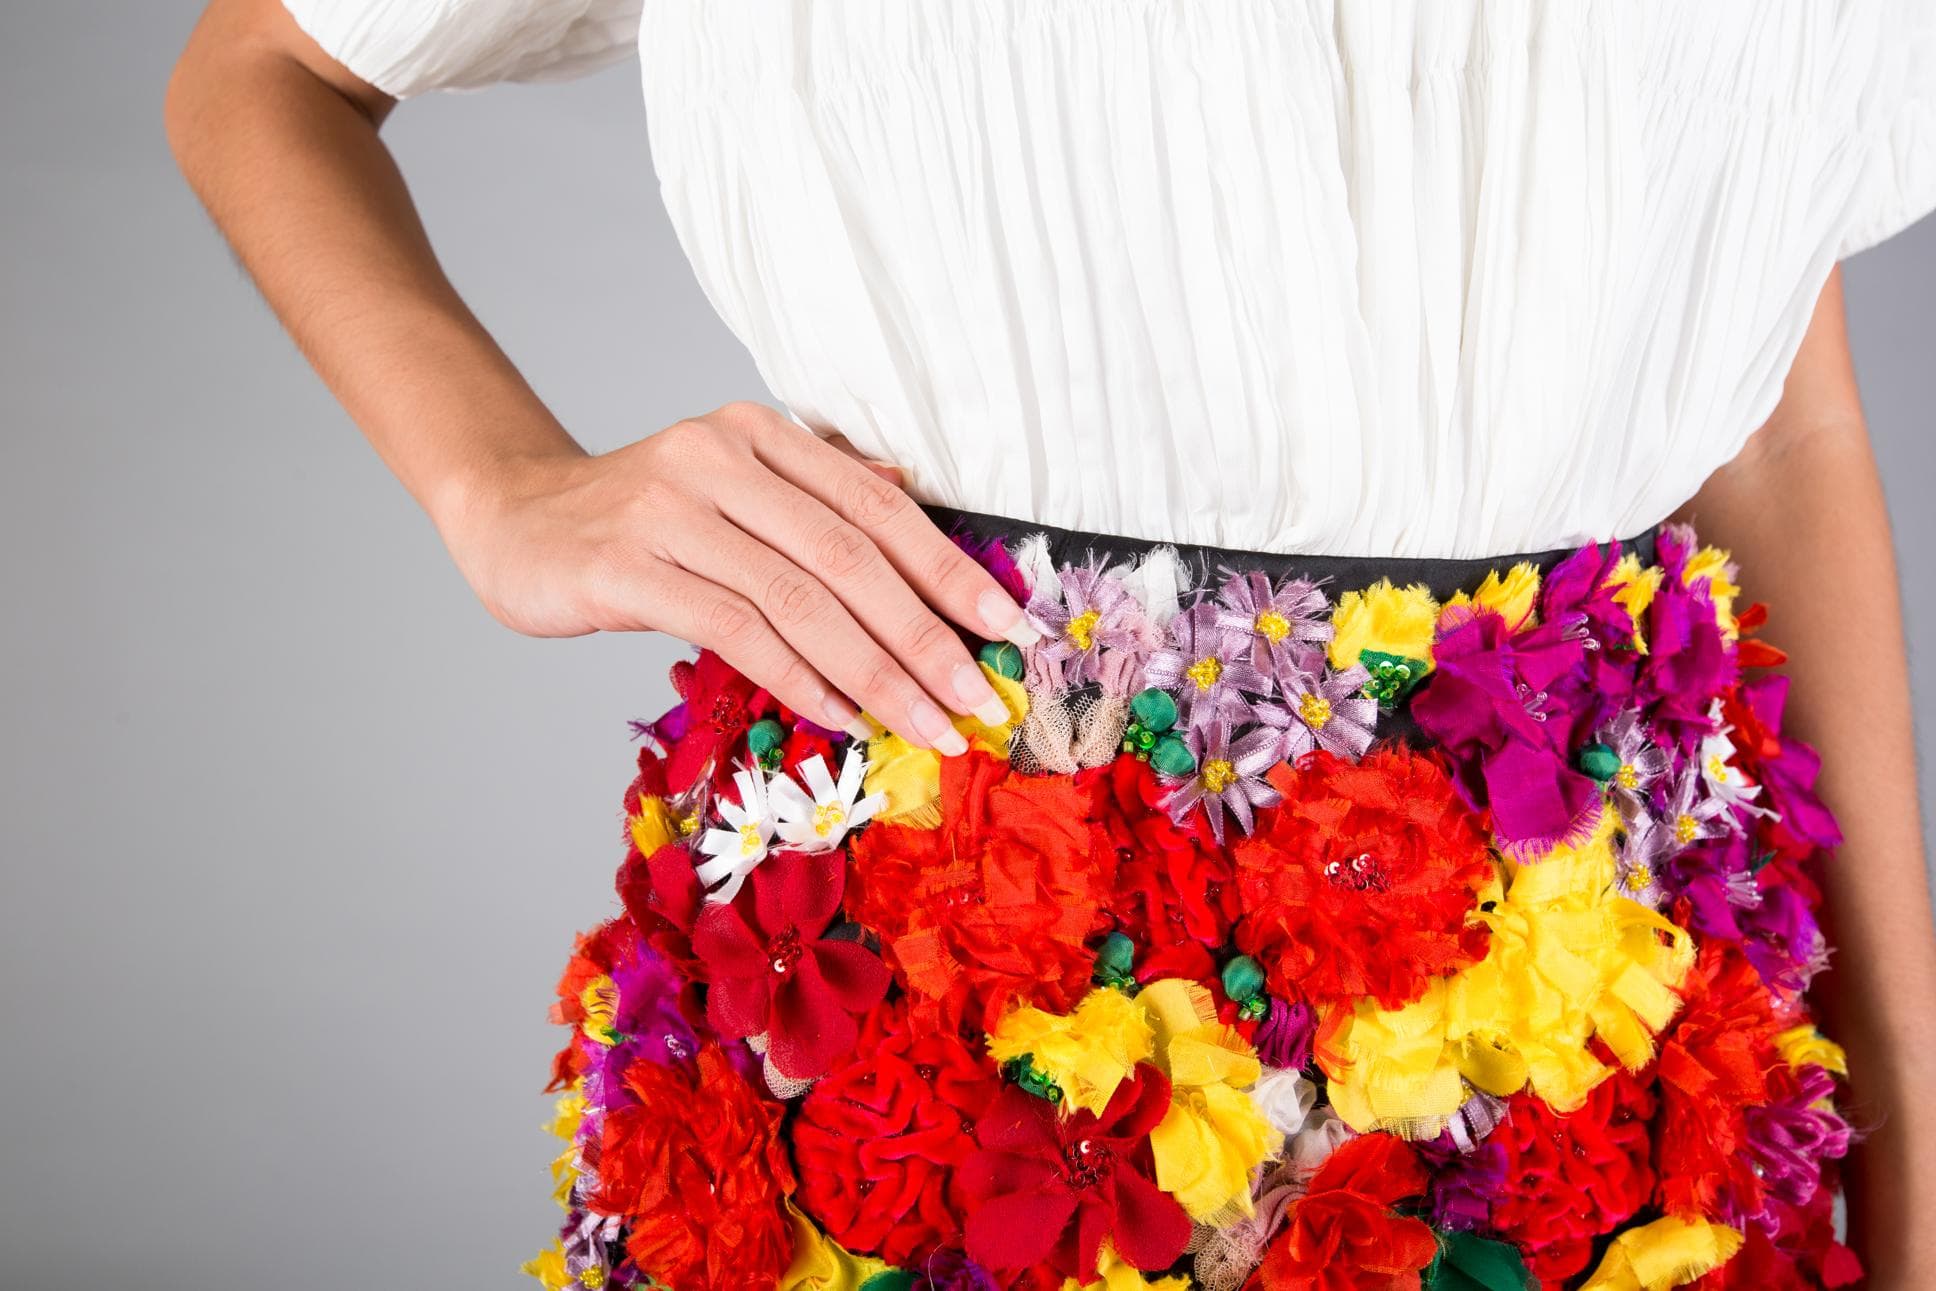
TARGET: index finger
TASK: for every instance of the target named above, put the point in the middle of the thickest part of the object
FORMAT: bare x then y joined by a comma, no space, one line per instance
944,576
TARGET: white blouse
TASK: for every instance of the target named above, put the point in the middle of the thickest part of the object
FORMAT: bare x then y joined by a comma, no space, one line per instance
1366,277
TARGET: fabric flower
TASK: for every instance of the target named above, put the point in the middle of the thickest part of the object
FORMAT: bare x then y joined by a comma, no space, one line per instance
1389,631
1049,1189
771,969
1344,1234
1668,1252
717,706
948,1269
1716,759
1786,768
1207,671
1088,1053
733,853
1281,626
1324,709
1362,881
698,1166
995,903
1639,763
1497,704
1689,659
1174,881
1794,1134
1095,625
1229,777
1213,1135
817,818
1573,1176
878,1140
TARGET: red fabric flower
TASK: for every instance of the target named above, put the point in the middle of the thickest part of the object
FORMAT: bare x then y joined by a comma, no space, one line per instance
770,968
997,902
704,731
662,894
1049,1188
1361,881
878,1140
1342,1234
1173,882
1713,1066
1801,1254
1573,1177
699,1168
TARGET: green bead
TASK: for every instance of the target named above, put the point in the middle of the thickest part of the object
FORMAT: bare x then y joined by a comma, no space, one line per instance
1599,761
1172,757
764,737
1117,958
1243,979
1003,657
1393,676
1154,708
889,1280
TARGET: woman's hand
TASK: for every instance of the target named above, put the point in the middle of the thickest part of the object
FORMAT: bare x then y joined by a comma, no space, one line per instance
802,567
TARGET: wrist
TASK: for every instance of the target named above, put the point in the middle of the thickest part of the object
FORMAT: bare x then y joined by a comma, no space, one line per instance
477,492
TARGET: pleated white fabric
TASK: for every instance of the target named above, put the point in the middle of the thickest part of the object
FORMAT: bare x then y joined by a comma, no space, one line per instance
1368,277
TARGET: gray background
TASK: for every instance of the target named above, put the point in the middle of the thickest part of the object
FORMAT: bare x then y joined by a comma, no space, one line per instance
295,838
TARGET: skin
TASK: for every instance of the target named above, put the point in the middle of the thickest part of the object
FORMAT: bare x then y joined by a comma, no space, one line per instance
813,573
1801,507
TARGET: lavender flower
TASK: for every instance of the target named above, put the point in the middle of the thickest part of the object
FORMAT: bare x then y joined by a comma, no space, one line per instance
1641,765
1229,776
1323,709
1207,670
1279,627
1095,616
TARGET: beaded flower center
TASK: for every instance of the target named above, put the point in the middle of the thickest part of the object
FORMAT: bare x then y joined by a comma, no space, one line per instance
1315,710
784,951
1362,873
592,1278
750,840
1082,628
828,817
1628,776
1272,626
1638,878
1717,770
1085,1163
1218,773
1686,829
1205,672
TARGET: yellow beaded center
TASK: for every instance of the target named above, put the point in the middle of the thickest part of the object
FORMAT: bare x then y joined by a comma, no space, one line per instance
827,817
1638,878
1204,672
1315,710
750,841
1628,776
1717,770
1218,774
1082,628
1272,626
592,1278
1686,829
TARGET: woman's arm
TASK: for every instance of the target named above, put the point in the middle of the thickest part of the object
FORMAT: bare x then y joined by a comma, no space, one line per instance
808,571
1802,508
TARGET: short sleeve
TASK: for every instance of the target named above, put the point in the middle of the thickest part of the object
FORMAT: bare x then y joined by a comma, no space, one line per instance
1898,131
407,47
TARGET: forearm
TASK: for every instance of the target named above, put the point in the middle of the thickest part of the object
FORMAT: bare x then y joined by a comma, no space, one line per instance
1803,511
291,168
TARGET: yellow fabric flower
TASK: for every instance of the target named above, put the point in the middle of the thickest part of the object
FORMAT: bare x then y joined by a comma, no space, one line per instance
910,777
1711,563
1512,598
1634,588
1088,1052
568,1113
1114,1274
1393,620
1670,1252
1804,1046
1569,960
653,827
822,1264
1212,1137
549,1268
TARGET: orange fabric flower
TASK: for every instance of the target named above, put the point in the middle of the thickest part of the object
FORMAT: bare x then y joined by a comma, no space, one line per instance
1361,882
699,1169
994,904
1343,1234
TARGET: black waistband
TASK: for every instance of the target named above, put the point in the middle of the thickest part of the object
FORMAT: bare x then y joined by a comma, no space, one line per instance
1443,577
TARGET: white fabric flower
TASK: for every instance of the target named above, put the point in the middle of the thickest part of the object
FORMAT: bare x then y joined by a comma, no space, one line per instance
735,853
1724,780
1285,1098
816,818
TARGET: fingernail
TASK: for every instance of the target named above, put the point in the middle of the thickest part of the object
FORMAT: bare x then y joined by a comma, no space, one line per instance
973,690
843,716
1004,618
933,726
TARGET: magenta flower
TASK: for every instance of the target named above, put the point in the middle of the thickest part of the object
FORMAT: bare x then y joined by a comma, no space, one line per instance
1689,662
1790,1138
1207,670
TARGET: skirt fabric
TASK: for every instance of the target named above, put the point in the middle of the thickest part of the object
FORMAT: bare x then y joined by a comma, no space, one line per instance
1310,923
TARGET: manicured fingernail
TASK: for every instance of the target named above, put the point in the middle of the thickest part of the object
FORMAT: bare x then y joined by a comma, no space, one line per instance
972,688
933,726
843,716
1004,618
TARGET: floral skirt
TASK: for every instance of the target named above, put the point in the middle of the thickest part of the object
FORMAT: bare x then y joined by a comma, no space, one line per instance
1309,923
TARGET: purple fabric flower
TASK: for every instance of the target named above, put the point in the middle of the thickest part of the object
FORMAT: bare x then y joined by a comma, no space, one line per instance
1323,709
1096,631
1279,627
1229,776
1642,764
1789,1139
1689,661
1785,768
993,556
1576,591
1782,939
951,1270
1284,1036
1465,1179
1206,669
1493,703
